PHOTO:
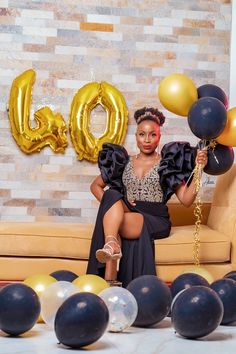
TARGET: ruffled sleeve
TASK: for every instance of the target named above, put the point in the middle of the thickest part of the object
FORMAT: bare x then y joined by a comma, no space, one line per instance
176,165
111,161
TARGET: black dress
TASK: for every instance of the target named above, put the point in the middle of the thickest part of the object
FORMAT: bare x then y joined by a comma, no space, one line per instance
176,166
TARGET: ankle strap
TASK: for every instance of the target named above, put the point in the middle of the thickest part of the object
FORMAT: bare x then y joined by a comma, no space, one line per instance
110,236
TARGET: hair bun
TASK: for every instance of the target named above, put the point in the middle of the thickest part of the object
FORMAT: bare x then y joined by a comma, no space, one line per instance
151,113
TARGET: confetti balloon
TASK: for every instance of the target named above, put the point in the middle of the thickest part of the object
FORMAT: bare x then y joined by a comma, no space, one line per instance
122,307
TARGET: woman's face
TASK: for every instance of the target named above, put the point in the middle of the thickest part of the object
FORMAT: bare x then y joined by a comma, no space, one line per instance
148,136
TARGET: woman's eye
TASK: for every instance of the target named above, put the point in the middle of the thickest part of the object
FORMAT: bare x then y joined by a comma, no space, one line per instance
154,134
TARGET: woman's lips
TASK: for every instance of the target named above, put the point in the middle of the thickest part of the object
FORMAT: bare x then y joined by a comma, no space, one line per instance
147,147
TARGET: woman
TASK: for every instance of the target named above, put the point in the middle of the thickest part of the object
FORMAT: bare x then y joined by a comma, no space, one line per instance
133,211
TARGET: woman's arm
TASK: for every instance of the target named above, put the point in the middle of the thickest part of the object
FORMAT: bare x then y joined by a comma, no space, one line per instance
187,194
97,187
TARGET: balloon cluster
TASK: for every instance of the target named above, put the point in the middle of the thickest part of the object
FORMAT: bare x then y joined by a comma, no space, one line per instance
208,118
199,307
81,317
85,305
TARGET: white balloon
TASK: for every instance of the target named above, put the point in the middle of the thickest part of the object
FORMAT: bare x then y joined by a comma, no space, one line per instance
122,307
53,297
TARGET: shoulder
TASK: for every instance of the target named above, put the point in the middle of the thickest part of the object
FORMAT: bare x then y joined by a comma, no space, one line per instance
111,161
176,165
178,154
176,146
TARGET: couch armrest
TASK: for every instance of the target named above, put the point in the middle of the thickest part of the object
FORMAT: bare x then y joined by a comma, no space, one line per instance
180,215
233,248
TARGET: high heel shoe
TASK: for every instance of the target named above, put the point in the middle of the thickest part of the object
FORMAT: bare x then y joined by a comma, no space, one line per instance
107,252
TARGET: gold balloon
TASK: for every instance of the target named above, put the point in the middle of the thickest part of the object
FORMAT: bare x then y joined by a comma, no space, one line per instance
228,136
177,93
200,271
39,282
91,283
87,146
50,127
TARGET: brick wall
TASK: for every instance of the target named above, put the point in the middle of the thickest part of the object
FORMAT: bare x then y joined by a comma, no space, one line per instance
131,45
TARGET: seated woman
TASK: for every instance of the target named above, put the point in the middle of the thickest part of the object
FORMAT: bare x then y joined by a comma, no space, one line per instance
133,211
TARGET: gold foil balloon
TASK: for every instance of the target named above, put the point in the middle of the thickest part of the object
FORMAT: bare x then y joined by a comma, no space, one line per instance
50,127
90,283
177,93
39,282
200,271
87,146
228,136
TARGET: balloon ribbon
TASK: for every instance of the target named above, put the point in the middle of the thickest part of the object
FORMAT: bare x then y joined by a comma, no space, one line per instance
197,213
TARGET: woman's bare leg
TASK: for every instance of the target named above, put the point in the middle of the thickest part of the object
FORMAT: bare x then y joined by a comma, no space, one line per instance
111,270
119,220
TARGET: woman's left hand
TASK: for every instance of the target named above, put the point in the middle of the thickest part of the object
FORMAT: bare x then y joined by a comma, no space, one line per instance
201,157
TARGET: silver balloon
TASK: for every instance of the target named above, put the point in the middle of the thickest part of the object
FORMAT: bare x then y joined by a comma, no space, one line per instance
122,307
53,297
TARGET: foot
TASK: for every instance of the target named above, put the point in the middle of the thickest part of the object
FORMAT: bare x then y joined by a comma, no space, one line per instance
114,283
110,251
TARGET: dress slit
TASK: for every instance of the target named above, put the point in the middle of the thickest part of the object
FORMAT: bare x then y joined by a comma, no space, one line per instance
137,254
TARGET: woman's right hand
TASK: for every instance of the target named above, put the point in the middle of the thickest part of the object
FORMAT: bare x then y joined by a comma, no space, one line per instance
132,202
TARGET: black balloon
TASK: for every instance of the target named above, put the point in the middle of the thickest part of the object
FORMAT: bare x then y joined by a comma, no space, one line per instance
231,275
81,320
207,118
64,275
226,290
185,281
220,160
197,312
153,298
210,90
19,308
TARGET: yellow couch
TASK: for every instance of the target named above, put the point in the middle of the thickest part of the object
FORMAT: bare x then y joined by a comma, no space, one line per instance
31,248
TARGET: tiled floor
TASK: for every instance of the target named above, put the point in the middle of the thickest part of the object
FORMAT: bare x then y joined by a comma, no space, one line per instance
158,340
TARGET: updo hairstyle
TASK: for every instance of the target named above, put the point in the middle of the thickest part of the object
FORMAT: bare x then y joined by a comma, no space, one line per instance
149,114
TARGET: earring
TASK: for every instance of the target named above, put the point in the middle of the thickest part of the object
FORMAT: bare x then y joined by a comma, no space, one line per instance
158,150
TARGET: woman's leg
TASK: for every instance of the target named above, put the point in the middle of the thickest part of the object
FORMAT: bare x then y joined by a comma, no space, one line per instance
119,220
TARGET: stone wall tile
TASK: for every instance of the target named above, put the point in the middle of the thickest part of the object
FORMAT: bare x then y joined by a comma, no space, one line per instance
131,45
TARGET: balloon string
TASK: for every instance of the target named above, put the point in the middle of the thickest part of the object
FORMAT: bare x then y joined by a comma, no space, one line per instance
211,146
197,213
197,173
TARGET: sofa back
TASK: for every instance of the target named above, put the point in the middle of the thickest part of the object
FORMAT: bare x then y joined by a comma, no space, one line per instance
181,215
222,215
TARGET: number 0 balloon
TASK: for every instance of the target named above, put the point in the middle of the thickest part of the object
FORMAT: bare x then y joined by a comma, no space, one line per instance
87,146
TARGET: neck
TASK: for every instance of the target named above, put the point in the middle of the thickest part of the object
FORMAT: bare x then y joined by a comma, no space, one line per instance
151,156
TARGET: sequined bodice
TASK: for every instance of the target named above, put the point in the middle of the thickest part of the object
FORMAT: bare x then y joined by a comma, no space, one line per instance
147,188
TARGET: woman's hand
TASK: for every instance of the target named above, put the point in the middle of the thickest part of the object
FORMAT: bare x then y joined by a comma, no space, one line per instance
132,202
201,157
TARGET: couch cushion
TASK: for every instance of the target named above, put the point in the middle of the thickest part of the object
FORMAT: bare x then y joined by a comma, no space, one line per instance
45,239
73,241
178,247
